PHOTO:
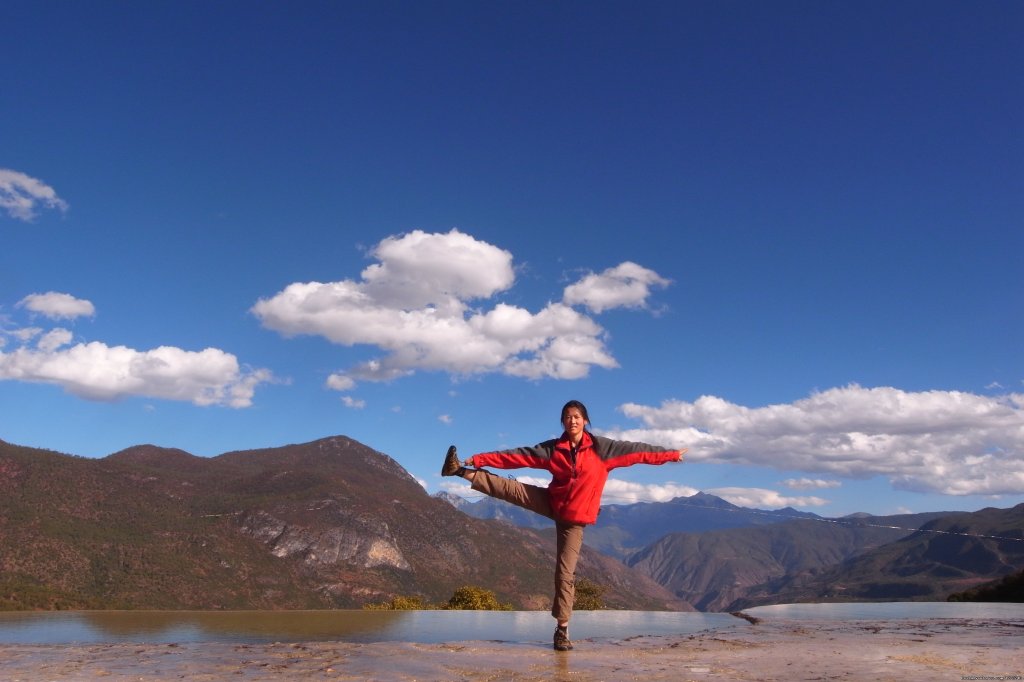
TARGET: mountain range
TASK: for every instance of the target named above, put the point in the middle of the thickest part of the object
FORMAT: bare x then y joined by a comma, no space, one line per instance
622,530
335,524
952,553
721,557
326,524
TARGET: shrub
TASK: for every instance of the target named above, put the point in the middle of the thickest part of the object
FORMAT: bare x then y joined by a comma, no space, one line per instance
398,603
470,598
589,595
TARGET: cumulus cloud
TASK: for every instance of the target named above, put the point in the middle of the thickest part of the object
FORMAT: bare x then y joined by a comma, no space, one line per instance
21,195
628,492
809,483
54,339
97,371
617,491
625,285
947,442
414,304
541,481
761,498
339,382
25,334
352,403
459,486
421,269
55,305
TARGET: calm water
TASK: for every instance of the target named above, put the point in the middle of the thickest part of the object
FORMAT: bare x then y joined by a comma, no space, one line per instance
890,611
89,627
96,627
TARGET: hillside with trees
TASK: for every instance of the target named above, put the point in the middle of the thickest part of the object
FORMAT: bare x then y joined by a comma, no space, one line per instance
327,524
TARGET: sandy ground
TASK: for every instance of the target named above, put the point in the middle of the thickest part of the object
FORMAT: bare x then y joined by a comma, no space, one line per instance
935,649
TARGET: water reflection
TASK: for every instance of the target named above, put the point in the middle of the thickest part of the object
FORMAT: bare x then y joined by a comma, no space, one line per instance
160,627
890,611
252,626
88,627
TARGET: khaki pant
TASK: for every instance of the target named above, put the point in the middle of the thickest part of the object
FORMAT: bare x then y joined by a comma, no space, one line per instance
570,535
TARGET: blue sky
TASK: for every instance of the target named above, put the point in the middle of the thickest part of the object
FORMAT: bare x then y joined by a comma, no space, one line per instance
786,235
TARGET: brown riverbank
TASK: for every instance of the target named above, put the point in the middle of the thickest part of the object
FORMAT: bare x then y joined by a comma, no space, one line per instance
933,649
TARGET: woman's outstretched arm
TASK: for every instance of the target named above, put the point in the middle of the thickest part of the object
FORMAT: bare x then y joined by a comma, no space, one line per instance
621,453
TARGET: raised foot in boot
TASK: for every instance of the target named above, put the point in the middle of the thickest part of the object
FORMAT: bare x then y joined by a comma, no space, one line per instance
452,465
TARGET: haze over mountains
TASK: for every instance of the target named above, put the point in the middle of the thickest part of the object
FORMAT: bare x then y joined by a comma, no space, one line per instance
335,524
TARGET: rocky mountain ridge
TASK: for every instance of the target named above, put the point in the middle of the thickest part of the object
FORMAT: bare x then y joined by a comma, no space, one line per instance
720,557
326,524
624,529
335,524
952,553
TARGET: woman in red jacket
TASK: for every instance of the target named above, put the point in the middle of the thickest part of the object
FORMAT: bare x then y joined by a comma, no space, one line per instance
579,463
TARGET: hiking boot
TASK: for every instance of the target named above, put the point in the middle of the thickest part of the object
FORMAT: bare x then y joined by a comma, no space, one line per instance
562,642
452,465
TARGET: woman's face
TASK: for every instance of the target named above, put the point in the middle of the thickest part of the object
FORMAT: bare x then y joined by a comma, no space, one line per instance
574,423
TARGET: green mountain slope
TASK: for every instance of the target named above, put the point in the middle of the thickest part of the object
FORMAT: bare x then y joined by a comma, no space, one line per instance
714,569
950,554
1009,588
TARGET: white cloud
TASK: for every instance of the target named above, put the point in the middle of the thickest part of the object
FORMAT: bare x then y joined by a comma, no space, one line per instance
339,382
809,483
352,403
25,334
54,339
625,285
21,195
761,498
445,418
617,491
55,305
414,306
934,441
541,481
627,492
420,269
458,486
99,372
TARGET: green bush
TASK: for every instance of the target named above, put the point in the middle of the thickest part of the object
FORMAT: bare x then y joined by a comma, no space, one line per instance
470,598
589,595
398,603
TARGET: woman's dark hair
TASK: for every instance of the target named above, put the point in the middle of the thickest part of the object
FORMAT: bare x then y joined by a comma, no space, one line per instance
579,406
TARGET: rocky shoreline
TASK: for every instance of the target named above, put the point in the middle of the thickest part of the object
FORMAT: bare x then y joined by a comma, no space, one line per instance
776,649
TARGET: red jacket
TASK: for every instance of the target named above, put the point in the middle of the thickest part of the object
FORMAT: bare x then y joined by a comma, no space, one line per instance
578,478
